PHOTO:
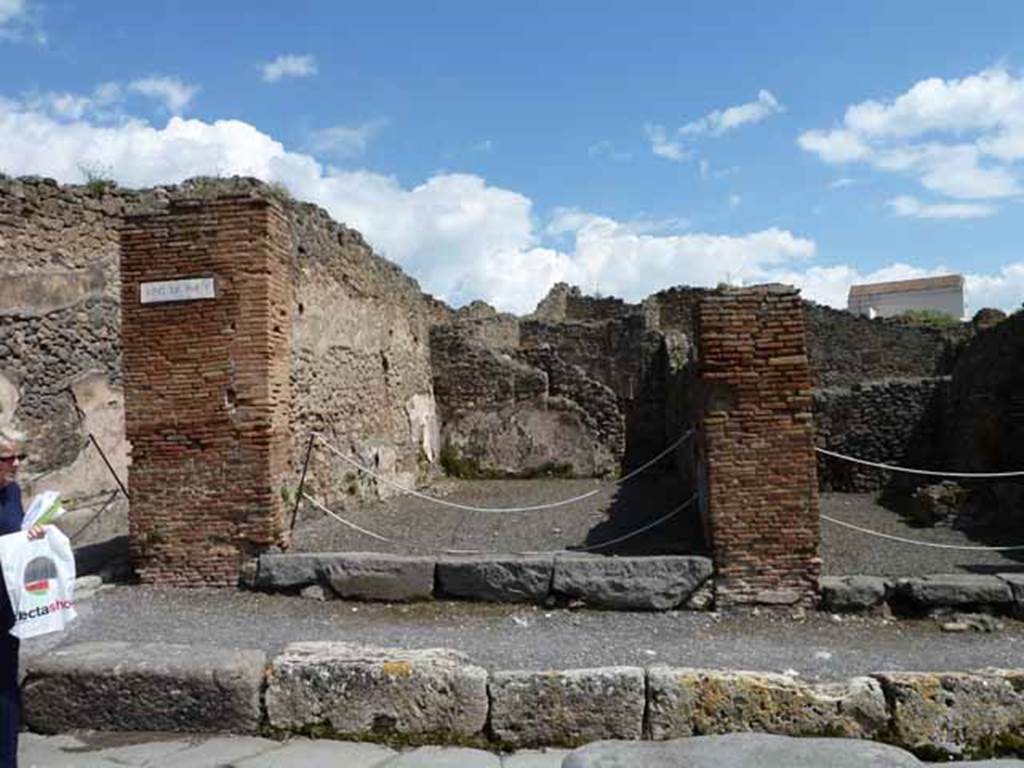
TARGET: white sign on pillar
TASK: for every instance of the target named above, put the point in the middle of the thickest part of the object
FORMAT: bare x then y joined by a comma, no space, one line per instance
177,290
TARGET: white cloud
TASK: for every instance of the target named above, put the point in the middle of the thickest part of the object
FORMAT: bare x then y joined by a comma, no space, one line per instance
289,65
342,141
907,206
735,200
461,237
662,146
957,137
720,121
1003,290
174,94
835,146
842,182
105,102
11,10
19,21
715,123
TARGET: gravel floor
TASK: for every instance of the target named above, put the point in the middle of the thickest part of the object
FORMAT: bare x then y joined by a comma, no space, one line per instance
415,525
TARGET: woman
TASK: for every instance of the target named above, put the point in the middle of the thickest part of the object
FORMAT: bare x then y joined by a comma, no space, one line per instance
11,514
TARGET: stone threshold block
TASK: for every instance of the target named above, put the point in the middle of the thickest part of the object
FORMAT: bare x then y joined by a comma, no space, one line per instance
1016,583
374,576
281,573
658,583
362,691
853,593
963,714
688,702
567,708
144,687
950,590
511,579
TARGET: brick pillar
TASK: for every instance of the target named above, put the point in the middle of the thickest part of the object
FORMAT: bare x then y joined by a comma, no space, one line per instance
758,444
206,386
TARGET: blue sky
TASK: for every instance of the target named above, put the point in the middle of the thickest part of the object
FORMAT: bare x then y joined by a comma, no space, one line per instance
493,148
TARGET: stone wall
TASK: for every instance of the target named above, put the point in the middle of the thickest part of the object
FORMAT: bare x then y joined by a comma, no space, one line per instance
360,335
762,492
516,413
207,395
624,355
846,349
360,347
984,417
898,421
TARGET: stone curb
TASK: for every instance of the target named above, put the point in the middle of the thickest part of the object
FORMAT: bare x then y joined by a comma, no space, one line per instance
657,583
145,687
1001,593
356,692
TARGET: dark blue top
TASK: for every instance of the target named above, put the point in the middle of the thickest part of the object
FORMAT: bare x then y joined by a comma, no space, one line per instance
11,515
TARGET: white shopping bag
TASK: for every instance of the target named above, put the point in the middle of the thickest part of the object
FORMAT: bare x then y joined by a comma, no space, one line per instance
40,580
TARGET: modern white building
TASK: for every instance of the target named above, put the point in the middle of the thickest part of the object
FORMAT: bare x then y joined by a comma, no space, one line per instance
943,294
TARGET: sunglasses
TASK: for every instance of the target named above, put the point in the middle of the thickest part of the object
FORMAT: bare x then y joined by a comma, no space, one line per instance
12,457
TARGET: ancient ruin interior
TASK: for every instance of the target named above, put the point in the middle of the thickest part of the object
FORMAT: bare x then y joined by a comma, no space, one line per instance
583,387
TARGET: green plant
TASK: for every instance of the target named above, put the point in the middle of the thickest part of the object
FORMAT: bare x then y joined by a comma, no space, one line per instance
287,495
155,537
98,179
280,191
930,317
455,464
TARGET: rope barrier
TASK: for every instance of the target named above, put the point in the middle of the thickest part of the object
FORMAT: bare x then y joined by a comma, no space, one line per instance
591,548
908,470
497,510
932,544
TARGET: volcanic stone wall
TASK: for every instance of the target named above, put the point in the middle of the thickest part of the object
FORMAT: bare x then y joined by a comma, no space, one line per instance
762,491
896,421
847,349
207,392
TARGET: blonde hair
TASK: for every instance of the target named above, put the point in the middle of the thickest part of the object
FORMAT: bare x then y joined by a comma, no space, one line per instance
11,437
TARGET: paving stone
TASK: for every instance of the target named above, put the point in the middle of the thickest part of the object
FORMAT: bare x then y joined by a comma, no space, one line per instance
953,589
288,572
362,690
306,753
444,757
535,758
748,750
958,713
852,593
373,576
144,687
567,708
631,583
685,702
497,579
